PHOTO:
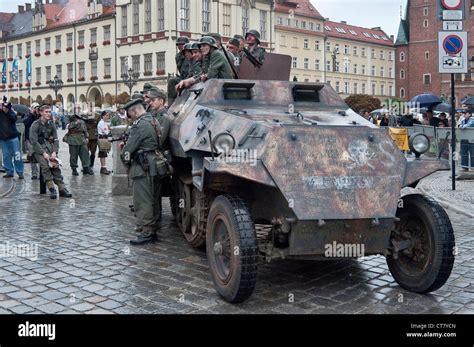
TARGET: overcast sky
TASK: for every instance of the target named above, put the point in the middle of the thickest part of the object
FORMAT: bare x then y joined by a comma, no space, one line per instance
366,13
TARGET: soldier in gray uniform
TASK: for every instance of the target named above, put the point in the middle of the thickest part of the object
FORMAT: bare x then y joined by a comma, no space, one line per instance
77,138
233,46
139,154
183,61
252,38
44,139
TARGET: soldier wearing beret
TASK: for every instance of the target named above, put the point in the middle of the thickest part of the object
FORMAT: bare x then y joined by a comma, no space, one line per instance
139,154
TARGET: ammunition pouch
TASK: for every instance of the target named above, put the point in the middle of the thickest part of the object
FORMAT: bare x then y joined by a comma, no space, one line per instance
163,166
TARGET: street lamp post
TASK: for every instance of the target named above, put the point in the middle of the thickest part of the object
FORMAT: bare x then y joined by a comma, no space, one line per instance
56,84
130,79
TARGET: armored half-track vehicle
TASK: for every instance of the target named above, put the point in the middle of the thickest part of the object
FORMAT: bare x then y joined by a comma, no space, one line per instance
276,169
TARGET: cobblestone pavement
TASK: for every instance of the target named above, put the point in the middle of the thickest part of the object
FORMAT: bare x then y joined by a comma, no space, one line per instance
85,265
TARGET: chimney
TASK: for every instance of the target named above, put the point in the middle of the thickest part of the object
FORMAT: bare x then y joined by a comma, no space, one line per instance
28,7
392,38
21,9
343,22
376,28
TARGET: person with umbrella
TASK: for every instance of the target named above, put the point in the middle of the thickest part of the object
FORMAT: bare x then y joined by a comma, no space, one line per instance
10,142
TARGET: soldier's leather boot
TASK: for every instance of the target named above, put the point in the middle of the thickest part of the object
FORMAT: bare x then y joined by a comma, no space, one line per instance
53,194
74,172
65,193
148,235
104,171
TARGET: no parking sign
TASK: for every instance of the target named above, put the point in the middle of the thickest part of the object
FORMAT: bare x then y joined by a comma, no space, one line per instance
452,52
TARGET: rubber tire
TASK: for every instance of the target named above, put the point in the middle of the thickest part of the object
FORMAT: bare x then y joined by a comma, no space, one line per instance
441,263
243,268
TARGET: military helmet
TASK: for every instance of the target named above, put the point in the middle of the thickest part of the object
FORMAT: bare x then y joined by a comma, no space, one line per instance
234,42
138,95
182,40
157,93
194,45
216,36
254,33
208,40
187,47
239,37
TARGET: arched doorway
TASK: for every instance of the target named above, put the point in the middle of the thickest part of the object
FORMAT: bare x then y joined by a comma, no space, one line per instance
82,98
70,103
95,97
39,99
48,99
108,100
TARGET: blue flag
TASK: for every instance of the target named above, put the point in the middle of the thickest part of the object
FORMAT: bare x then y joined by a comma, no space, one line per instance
28,69
4,72
15,70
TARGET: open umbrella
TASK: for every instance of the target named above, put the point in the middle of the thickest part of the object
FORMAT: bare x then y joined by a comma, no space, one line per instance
469,101
444,107
21,109
425,100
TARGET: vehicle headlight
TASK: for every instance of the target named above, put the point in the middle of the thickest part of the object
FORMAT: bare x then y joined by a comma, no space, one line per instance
223,143
419,144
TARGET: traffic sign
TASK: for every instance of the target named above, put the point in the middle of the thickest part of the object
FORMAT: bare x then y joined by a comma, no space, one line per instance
452,25
451,4
452,48
452,15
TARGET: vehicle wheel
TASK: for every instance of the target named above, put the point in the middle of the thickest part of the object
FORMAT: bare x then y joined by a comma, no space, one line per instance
426,264
183,217
232,250
196,236
174,197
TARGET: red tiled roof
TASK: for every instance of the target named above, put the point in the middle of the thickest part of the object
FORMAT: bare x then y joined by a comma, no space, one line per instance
57,15
108,10
300,7
345,31
5,17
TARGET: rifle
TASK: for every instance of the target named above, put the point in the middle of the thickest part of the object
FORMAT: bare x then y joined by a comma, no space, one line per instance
250,57
122,138
236,75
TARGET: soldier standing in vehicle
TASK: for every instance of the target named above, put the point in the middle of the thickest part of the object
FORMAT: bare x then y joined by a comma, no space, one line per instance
252,39
44,139
77,138
139,154
233,46
183,60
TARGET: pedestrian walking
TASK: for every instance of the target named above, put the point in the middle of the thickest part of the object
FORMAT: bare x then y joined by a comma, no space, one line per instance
10,142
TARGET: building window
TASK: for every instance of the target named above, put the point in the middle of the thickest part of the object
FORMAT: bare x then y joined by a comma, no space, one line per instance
363,88
161,15
362,52
372,71
356,89
288,22
148,62
382,90
355,69
328,65
390,72
108,67
425,11
107,36
346,49
402,56
81,37
295,62
28,48
280,20
382,55
363,70
184,15
346,88
354,50
206,16
338,86
425,23
382,71
135,17
136,63
19,50
427,55
59,71
318,27
245,16
94,36
69,40
306,44
316,45
160,61
390,90
328,46
123,65
347,66
94,68
38,46
374,89
337,66
124,21
58,42
372,53
227,19
295,42
283,40
47,44
317,65
390,56
263,25
70,71
336,48
38,74
2,53
10,52
147,16
402,74
311,26
303,24
427,79
48,73
306,63
297,23
402,92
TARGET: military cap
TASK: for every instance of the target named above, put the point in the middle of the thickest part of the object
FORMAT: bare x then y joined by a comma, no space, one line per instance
156,93
234,42
208,40
239,37
254,33
137,95
133,102
182,40
147,87
216,36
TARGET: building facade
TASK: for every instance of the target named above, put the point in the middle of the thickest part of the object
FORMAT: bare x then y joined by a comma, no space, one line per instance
417,53
91,44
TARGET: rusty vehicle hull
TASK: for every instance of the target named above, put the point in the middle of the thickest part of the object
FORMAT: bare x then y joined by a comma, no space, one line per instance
302,170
